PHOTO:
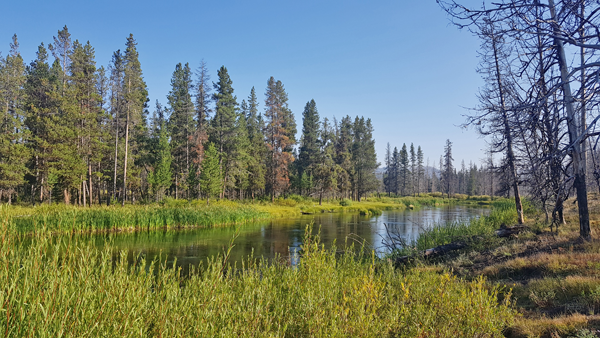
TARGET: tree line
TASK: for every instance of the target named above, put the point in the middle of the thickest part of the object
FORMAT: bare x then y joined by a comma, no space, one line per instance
84,134
407,174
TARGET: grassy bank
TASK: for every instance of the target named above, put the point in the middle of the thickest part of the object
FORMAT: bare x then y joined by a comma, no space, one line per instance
181,213
553,277
477,229
61,218
63,288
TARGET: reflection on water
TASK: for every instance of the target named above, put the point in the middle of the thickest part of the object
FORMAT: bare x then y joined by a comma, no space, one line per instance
280,237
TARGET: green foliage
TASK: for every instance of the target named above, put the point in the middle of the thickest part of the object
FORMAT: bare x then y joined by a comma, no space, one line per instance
160,178
364,157
346,202
210,175
64,288
181,123
173,213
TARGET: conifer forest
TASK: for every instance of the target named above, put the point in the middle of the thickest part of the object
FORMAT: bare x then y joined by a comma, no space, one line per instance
83,134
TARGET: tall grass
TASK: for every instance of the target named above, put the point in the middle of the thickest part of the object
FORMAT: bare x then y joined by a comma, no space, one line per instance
63,288
502,213
63,218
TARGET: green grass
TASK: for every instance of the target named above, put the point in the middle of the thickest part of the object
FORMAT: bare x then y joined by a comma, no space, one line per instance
62,288
502,213
181,213
61,218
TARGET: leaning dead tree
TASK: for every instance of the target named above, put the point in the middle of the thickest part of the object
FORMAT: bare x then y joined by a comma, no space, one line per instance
556,76
494,116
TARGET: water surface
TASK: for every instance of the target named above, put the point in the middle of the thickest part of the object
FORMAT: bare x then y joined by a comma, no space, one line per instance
282,237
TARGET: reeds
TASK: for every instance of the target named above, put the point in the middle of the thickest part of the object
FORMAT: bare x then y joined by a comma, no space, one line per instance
60,218
502,213
62,288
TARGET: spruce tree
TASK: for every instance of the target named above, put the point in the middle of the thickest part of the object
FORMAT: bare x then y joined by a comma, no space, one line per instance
210,173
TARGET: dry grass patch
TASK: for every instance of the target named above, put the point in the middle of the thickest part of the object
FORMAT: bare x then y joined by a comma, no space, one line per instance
544,327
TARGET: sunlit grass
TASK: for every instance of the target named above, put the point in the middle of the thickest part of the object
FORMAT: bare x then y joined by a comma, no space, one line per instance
64,288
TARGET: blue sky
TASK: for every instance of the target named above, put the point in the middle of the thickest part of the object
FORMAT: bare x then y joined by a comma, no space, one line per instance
400,63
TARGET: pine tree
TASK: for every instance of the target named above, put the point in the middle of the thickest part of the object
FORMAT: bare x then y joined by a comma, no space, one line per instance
279,131
135,98
395,172
200,136
324,167
40,107
258,150
309,148
13,152
388,164
420,170
181,123
364,158
210,173
413,170
83,78
66,160
160,178
223,131
404,173
343,156
448,168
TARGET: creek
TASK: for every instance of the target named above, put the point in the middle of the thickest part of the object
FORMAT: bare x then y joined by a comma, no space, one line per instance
280,237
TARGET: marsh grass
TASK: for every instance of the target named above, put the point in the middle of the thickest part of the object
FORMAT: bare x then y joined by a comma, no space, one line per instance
475,230
61,218
65,288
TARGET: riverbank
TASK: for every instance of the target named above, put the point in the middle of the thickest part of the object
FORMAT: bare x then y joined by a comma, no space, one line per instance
176,214
554,277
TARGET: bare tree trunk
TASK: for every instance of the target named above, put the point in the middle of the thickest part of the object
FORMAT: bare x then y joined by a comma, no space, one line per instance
90,183
508,135
574,137
114,192
124,197
83,185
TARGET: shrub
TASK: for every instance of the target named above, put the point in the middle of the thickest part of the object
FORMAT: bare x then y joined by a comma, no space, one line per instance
346,202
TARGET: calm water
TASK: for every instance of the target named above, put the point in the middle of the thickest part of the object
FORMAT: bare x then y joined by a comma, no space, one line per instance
282,237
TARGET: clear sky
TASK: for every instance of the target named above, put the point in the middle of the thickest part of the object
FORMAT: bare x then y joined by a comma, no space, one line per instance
400,63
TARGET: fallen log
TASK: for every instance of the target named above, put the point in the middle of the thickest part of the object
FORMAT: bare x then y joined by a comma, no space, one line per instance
504,231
